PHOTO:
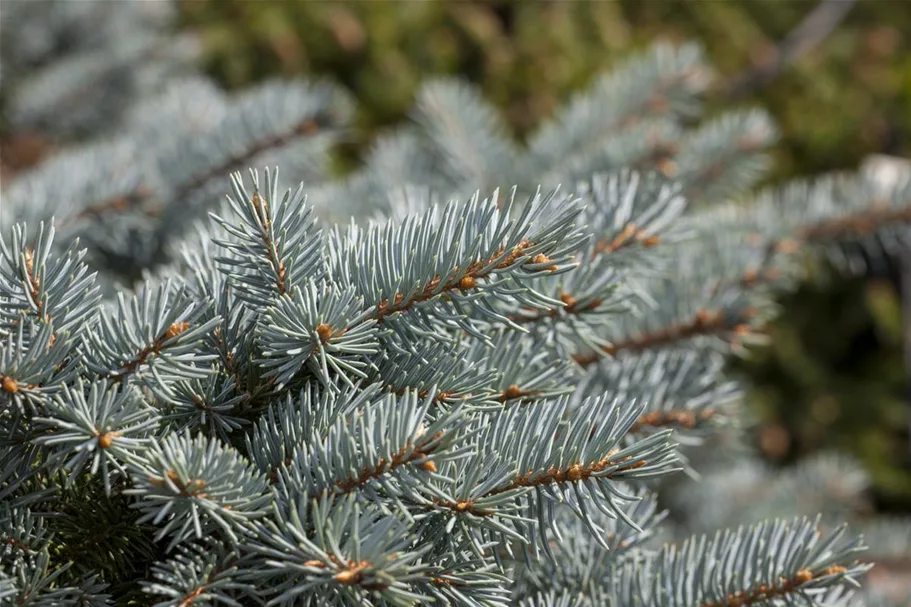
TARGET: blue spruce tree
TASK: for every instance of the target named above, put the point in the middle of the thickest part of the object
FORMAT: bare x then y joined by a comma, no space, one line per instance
458,376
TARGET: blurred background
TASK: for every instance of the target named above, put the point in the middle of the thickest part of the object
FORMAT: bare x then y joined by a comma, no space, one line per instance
834,377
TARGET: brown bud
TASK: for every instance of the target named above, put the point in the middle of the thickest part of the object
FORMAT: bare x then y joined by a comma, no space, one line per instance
176,329
105,440
324,331
512,392
10,385
467,282
348,576
803,576
651,241
574,473
568,300
29,260
429,466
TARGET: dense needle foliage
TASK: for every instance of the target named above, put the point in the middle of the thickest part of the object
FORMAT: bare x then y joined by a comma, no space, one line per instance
468,390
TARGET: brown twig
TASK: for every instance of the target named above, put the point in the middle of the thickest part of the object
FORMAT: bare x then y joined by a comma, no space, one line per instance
573,473
767,592
570,306
466,282
514,392
154,348
576,472
705,322
681,418
856,224
120,204
261,208
142,193
406,455
629,236
235,163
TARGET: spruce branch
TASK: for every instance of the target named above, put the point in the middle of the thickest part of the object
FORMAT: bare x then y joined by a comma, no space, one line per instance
102,426
388,413
522,374
457,255
152,339
581,563
324,328
308,126
200,574
685,390
298,420
187,485
35,584
635,219
399,447
22,534
664,81
276,245
307,548
824,217
271,117
649,146
34,363
460,373
466,140
583,457
474,582
789,561
694,304
705,323
861,223
206,404
36,283
724,157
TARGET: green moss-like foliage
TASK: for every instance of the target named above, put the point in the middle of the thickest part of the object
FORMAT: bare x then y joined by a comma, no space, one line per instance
528,57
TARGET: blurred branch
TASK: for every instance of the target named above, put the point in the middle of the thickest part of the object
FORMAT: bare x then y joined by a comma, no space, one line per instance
904,268
888,170
810,32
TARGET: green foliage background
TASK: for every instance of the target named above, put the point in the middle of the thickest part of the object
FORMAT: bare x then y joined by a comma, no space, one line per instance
834,375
